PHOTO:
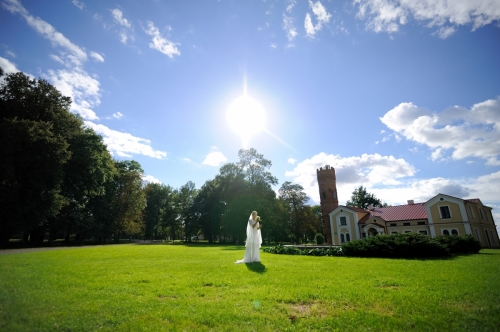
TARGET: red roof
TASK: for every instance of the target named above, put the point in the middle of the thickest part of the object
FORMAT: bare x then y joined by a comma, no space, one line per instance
473,200
393,213
401,212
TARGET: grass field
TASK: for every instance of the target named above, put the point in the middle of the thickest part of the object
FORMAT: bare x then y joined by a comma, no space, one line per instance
185,288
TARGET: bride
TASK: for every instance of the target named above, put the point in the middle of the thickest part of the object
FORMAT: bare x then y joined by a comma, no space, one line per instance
254,240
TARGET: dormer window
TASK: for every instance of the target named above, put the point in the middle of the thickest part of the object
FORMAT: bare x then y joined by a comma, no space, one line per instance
445,212
343,221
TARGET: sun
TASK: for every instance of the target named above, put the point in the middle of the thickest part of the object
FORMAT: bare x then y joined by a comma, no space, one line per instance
246,117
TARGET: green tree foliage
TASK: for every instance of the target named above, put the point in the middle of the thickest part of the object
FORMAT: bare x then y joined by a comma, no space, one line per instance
158,197
184,202
35,129
56,175
301,217
362,199
128,200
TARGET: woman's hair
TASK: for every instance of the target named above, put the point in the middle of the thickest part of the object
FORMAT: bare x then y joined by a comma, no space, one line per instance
254,212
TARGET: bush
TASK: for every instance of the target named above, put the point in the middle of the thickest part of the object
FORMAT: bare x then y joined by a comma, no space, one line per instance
409,245
319,239
463,244
289,250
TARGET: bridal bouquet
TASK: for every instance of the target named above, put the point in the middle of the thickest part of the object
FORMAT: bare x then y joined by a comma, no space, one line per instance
257,219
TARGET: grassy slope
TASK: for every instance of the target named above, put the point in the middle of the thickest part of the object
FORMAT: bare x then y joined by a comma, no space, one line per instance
154,287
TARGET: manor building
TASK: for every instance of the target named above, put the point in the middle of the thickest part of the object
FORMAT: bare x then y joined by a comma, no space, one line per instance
441,215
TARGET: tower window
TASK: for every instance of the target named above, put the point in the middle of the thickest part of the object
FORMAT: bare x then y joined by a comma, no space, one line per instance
334,194
323,194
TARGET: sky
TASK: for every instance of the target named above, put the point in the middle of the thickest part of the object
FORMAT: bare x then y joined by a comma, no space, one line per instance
401,97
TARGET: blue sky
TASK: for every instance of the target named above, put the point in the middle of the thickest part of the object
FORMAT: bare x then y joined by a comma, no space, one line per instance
400,97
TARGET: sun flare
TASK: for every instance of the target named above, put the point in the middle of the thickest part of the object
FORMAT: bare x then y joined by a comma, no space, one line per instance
246,117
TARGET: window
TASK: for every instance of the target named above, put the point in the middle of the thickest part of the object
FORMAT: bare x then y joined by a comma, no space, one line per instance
423,232
477,234
323,194
481,213
394,224
471,212
394,232
348,237
454,232
445,212
407,232
342,238
492,237
343,221
486,214
421,223
406,224
446,232
334,194
363,235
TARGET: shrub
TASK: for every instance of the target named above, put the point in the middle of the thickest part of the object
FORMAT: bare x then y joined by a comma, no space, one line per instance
410,245
319,239
463,244
289,250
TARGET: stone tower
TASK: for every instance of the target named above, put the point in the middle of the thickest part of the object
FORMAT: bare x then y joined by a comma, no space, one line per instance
327,183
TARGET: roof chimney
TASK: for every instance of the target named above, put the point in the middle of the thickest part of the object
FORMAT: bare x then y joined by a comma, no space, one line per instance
411,202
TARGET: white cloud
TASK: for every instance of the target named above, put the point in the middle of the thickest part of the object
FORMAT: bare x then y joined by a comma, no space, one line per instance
79,4
150,179
125,32
83,90
11,54
291,4
117,115
473,132
77,54
366,170
125,144
291,161
118,17
445,32
8,66
160,43
97,56
322,16
214,158
289,27
389,15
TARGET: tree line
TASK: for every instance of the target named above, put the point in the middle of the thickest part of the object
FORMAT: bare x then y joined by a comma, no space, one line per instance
58,181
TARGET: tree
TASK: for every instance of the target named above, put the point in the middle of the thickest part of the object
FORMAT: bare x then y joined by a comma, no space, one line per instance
158,197
85,176
184,201
362,199
295,200
34,131
255,167
128,199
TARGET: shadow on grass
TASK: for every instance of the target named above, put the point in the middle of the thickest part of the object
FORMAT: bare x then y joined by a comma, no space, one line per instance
256,267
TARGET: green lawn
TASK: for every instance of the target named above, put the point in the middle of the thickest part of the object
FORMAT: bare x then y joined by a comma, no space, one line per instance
184,288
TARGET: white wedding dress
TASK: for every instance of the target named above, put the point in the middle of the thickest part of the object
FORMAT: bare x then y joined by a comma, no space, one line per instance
253,242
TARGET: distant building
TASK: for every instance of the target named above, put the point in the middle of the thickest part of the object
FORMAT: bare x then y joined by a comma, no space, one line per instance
441,215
